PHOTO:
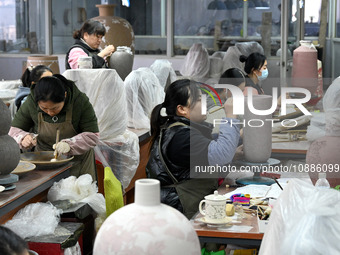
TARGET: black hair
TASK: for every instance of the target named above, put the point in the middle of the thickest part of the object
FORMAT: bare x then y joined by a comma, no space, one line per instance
90,26
50,89
33,75
254,61
181,92
11,243
233,76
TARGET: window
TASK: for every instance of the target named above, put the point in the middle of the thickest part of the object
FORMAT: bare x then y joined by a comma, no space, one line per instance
21,29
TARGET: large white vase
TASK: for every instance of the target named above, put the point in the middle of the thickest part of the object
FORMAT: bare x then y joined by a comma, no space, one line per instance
146,227
257,136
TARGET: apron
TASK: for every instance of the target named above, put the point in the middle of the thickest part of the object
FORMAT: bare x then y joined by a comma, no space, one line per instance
192,191
82,164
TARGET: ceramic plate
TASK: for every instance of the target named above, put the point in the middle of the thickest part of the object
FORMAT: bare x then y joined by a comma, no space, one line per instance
42,159
223,222
23,167
2,188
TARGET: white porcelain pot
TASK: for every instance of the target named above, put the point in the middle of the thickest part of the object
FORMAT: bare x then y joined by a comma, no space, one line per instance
146,227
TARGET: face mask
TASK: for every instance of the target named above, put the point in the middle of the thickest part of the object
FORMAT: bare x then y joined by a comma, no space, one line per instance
264,75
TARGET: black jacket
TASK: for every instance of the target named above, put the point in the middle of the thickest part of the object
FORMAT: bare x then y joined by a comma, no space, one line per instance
97,61
182,148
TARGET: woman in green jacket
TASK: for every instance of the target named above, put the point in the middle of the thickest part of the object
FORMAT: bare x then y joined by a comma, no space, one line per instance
56,103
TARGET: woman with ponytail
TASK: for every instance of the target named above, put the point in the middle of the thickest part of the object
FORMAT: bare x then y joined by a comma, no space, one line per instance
28,78
181,142
255,66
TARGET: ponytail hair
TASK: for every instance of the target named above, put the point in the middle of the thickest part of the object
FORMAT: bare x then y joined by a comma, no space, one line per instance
33,75
50,89
183,92
254,61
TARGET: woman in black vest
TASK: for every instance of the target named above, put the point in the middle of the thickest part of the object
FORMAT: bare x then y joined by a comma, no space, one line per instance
87,43
181,144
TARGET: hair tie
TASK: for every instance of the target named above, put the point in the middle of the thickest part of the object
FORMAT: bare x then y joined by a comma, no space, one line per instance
163,112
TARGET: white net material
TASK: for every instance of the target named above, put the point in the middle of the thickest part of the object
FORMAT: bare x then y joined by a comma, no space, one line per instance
166,75
106,92
327,123
196,62
143,92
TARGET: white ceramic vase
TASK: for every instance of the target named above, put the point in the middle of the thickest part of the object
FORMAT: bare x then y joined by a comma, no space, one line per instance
257,136
146,227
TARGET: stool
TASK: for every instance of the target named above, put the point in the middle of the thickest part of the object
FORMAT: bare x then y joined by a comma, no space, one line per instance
66,235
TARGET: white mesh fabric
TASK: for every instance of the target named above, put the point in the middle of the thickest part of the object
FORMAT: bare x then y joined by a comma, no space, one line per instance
143,92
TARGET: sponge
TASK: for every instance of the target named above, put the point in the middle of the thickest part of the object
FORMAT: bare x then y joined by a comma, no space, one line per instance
113,192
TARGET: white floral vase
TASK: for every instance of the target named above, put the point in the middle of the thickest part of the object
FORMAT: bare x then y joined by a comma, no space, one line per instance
147,227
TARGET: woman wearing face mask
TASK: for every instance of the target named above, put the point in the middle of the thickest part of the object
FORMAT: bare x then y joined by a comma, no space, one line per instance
256,70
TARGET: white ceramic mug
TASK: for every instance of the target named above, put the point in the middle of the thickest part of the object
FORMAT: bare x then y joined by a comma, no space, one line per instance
214,211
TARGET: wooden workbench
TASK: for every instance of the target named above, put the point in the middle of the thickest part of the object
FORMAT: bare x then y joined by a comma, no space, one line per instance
32,187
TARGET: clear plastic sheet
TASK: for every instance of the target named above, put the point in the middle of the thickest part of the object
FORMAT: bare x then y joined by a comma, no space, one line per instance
196,63
331,99
304,220
105,90
107,93
143,93
166,75
35,219
81,189
232,57
123,164
327,123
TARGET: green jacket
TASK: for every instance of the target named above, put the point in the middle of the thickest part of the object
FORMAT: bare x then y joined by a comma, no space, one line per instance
83,116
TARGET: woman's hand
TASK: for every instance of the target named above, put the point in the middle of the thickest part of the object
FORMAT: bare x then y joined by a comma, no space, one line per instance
28,142
228,108
239,154
107,51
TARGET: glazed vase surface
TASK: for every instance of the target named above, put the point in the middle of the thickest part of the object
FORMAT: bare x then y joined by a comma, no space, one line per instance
119,31
122,61
257,134
9,149
147,227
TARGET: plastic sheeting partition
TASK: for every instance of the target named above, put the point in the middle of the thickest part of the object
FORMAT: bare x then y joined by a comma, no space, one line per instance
304,220
143,92
106,92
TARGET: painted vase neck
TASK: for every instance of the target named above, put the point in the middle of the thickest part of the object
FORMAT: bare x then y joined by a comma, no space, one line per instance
106,9
147,192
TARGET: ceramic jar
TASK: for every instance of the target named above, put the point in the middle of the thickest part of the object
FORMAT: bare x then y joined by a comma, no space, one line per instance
146,227
122,61
305,67
215,210
50,61
257,133
119,31
9,149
